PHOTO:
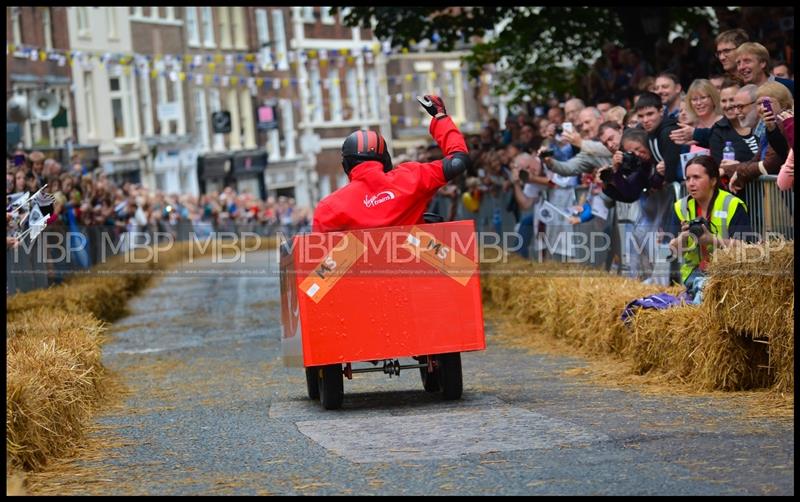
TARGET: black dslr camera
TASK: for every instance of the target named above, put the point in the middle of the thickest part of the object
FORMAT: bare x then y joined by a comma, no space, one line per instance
605,175
696,226
630,164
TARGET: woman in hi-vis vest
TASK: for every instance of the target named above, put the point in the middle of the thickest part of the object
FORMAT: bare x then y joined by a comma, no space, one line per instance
708,218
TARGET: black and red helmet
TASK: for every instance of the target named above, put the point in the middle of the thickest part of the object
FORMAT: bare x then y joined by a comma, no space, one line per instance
365,145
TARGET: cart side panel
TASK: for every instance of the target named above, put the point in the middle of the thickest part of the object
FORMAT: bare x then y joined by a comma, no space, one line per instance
291,328
407,291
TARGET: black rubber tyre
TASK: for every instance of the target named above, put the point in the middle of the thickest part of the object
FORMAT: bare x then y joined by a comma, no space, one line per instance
331,386
450,375
312,382
429,380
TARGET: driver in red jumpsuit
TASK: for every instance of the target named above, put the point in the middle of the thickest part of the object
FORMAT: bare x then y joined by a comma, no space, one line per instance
381,196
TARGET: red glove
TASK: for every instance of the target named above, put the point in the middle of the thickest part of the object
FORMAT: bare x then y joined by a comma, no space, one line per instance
432,104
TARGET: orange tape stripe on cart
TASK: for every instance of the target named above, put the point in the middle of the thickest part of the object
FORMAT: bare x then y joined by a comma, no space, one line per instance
444,258
332,267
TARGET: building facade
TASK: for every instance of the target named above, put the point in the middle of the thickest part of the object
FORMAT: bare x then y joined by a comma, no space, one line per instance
421,72
36,60
106,101
158,41
148,83
221,72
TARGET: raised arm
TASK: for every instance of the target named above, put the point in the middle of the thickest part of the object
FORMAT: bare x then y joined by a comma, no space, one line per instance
447,136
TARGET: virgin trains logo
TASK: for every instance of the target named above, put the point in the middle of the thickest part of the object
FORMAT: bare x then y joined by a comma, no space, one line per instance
378,198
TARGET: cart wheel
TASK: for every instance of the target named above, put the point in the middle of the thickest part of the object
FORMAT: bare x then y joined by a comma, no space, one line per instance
331,386
450,375
429,380
312,382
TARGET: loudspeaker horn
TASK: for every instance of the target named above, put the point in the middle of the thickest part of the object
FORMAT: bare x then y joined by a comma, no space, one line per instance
44,105
17,108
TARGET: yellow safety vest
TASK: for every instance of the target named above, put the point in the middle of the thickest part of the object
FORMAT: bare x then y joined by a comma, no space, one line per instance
723,208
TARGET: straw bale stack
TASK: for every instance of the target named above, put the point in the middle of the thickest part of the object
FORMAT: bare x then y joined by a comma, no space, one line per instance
687,344
54,380
740,337
567,301
750,292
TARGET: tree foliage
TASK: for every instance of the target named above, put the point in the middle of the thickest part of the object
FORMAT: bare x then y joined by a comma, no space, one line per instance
536,50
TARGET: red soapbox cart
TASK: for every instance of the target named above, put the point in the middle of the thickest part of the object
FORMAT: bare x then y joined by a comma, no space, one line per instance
373,296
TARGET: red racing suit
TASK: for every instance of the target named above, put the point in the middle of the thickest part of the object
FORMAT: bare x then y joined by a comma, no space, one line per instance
375,199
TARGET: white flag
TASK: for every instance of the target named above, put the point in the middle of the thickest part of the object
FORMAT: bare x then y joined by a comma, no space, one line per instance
18,200
43,198
36,222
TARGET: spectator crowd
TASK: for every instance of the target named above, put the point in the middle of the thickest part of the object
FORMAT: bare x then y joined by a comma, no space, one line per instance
617,162
614,163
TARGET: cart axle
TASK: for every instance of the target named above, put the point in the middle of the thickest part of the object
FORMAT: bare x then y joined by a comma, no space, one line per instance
389,367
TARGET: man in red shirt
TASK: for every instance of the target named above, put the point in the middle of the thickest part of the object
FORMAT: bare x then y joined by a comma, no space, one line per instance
381,196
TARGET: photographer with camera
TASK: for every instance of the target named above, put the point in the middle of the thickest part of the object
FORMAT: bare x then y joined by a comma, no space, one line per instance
632,170
635,178
708,218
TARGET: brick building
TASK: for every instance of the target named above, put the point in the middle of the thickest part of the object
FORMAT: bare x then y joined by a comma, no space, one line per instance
106,101
38,62
157,38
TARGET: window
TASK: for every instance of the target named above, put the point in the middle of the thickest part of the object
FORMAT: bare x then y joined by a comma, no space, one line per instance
215,104
83,22
308,14
335,94
274,144
343,12
15,21
201,117
454,68
48,28
287,126
235,137
239,29
372,91
224,28
161,181
161,81
262,27
316,95
352,94
146,101
280,39
246,106
262,30
117,106
88,97
192,30
111,21
177,93
326,17
207,20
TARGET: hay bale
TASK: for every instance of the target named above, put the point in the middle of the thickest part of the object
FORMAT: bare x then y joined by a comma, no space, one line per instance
750,292
708,346
54,375
54,381
578,304
686,343
751,288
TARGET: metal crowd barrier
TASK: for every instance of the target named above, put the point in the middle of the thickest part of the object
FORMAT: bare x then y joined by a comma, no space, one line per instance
771,210
57,252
